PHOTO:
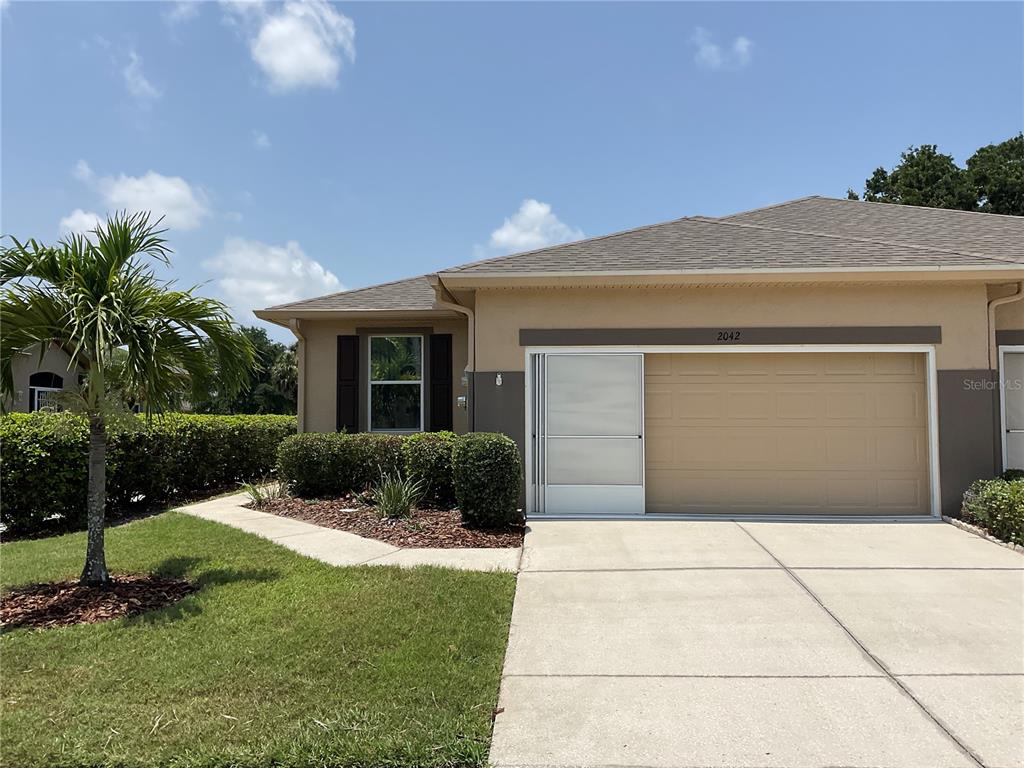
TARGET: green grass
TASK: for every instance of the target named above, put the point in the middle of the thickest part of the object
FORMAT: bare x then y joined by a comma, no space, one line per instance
278,660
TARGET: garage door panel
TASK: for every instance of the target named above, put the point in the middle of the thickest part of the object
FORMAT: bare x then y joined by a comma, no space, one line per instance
799,433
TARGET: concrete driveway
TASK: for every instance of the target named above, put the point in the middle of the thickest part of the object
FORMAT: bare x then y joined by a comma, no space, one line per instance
664,643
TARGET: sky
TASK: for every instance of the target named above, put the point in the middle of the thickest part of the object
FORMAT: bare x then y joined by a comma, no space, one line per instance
302,148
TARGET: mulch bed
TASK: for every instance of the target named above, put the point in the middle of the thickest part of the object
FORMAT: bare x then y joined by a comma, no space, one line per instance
64,603
440,528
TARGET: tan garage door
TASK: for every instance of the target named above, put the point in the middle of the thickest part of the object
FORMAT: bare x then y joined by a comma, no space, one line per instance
801,433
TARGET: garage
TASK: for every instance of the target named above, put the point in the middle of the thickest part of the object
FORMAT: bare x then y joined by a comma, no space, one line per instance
805,431
798,433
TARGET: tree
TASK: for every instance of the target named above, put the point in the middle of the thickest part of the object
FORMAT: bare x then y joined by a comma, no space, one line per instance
997,173
260,393
100,300
924,176
992,182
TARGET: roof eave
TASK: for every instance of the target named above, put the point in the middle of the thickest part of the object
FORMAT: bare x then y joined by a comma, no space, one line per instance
470,279
282,316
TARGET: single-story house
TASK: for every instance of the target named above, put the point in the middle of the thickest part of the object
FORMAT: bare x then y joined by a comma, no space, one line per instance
817,357
38,378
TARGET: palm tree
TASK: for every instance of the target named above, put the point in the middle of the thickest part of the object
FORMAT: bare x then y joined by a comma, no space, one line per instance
100,300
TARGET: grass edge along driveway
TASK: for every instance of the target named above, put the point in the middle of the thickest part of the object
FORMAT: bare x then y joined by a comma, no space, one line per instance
278,659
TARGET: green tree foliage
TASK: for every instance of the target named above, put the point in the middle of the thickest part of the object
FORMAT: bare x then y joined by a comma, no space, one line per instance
991,182
997,172
99,298
271,386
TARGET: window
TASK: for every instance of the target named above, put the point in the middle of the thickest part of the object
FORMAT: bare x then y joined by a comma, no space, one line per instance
396,383
41,386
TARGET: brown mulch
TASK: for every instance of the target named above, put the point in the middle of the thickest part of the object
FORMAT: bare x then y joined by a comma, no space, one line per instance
64,603
440,528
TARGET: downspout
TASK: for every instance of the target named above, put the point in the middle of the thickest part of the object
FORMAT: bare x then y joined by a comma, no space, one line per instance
443,298
300,363
993,352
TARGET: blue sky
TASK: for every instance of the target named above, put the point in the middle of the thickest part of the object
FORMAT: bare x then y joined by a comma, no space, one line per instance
297,148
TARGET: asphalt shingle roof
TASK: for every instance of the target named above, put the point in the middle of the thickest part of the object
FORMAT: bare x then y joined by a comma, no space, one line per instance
712,244
414,293
984,234
807,234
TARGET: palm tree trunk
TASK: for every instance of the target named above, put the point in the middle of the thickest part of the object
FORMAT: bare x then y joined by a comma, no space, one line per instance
95,571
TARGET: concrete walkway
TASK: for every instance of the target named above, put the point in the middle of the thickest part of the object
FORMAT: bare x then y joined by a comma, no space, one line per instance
342,548
661,643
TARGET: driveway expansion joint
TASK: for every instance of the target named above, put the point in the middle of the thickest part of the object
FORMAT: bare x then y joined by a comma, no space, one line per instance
967,751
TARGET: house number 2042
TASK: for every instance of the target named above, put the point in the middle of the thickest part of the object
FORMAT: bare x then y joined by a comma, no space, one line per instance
728,336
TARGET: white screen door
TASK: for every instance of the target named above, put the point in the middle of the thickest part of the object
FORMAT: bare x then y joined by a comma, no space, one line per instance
1013,408
588,452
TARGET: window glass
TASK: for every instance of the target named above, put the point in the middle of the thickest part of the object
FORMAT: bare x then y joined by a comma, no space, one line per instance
396,377
396,358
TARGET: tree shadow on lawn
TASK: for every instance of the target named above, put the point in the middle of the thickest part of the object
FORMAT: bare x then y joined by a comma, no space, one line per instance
179,568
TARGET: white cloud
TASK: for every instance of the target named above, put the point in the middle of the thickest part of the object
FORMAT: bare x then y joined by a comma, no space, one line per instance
181,11
532,226
711,55
301,44
260,140
252,275
79,222
83,172
182,205
135,80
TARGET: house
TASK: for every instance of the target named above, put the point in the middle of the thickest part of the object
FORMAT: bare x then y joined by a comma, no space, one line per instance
816,357
37,379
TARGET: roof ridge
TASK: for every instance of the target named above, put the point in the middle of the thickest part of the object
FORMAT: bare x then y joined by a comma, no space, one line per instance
909,205
347,292
854,239
769,207
570,242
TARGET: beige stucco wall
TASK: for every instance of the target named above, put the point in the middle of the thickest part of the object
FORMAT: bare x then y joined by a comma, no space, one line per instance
960,309
321,359
55,360
1009,317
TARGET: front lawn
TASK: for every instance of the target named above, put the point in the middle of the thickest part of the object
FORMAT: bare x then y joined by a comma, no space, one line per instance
277,660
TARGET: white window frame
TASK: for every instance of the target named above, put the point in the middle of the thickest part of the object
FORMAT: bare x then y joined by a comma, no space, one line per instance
370,382
931,393
33,396
1003,349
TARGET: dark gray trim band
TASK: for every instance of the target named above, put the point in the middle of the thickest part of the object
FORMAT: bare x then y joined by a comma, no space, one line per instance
968,431
730,336
1009,338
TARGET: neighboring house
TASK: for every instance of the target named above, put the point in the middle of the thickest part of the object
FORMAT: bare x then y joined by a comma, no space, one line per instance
37,380
817,357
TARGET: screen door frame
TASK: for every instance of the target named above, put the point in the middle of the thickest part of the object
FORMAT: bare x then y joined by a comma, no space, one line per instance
549,500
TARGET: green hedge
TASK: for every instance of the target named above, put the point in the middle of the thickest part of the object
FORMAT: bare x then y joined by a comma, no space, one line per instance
428,460
43,462
482,472
334,463
998,506
488,475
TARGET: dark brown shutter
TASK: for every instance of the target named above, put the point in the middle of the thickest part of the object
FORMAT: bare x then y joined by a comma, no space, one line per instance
440,382
348,383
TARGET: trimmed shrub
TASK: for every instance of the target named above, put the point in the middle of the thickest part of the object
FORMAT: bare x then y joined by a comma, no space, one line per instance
1013,474
428,460
44,470
315,463
998,506
374,455
488,475
44,462
334,463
